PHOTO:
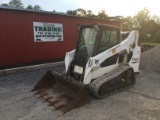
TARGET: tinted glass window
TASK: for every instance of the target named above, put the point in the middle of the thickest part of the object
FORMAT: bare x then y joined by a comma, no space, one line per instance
108,39
86,44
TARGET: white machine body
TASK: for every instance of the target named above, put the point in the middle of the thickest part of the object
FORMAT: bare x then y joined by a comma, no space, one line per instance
93,68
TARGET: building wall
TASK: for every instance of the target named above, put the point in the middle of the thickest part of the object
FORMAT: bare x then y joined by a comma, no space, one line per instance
17,44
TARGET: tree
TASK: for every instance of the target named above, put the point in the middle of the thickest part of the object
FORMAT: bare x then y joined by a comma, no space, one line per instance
81,12
150,27
157,37
37,7
127,23
156,19
30,7
89,14
54,11
116,18
4,4
71,12
16,3
141,18
143,37
102,14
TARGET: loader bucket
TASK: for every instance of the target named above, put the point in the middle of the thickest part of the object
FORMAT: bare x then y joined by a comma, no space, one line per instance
62,92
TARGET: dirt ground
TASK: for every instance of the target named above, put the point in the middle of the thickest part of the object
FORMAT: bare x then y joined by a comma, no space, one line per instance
142,102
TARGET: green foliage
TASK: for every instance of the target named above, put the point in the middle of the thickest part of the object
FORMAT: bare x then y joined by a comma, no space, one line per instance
30,7
127,23
81,12
16,3
141,18
19,4
148,27
90,14
71,12
54,11
156,19
143,37
156,38
37,7
102,14
4,4
13,3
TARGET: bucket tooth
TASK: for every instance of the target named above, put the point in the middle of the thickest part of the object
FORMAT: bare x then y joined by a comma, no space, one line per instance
37,91
48,97
40,96
40,90
51,99
62,92
44,93
60,106
53,102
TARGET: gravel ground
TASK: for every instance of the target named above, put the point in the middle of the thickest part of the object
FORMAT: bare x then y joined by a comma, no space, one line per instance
142,102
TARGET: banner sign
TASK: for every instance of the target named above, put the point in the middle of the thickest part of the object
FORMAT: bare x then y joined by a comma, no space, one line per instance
46,32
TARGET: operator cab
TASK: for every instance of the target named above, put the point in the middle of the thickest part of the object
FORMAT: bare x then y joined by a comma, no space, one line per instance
92,40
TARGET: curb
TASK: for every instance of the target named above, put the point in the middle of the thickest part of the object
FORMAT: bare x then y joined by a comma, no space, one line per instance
30,68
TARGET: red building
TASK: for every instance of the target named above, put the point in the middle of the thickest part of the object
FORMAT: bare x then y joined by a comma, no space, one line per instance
17,42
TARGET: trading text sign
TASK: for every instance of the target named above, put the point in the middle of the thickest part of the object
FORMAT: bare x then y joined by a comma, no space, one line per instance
45,32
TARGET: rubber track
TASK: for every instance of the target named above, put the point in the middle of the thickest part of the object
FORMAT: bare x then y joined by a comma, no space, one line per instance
95,85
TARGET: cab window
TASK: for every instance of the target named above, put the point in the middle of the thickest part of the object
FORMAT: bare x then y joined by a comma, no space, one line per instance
108,39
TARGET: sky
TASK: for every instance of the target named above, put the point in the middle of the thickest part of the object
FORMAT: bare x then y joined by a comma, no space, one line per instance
112,7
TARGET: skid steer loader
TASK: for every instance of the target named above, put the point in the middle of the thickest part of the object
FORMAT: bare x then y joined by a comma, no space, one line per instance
100,65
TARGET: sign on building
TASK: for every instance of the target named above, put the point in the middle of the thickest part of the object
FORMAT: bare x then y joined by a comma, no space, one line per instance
46,32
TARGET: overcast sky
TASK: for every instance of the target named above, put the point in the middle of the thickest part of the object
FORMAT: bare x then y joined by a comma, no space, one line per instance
112,7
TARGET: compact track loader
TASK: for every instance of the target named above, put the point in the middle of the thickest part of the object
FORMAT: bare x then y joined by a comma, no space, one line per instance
100,65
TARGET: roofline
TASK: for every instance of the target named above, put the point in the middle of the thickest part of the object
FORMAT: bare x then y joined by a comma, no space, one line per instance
53,13
99,24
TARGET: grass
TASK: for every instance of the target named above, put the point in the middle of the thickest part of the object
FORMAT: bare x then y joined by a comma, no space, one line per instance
150,43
